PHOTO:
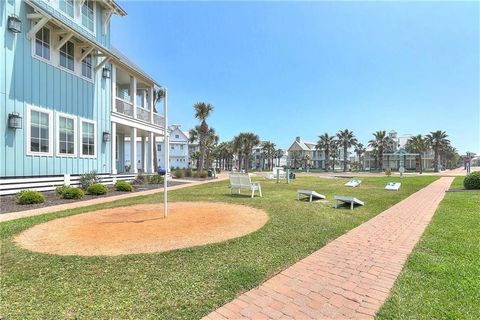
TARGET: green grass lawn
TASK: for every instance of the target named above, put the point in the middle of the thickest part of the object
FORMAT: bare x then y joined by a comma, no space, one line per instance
441,279
188,283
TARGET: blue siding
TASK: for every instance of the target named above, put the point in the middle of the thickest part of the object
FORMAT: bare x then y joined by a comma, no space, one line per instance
24,81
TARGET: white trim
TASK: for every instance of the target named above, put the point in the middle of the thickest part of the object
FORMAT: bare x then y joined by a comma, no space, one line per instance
77,15
95,138
57,135
31,108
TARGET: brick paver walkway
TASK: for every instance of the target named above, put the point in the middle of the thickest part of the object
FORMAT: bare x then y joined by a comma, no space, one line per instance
350,277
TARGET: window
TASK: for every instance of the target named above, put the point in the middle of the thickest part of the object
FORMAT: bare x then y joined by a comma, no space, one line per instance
88,138
88,18
176,136
67,7
42,43
87,66
172,147
67,55
159,147
39,130
66,140
181,147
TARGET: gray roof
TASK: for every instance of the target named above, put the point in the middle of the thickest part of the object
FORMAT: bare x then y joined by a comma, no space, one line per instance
126,62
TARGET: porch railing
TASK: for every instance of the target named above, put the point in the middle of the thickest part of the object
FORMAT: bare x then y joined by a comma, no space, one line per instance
143,114
124,107
158,119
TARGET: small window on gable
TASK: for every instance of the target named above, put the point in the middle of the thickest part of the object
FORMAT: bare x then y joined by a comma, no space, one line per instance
176,136
42,43
88,15
67,55
67,6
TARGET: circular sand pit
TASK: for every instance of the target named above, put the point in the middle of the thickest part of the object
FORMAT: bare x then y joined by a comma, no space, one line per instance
142,229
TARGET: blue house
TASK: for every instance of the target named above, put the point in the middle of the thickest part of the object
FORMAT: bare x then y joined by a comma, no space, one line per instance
68,99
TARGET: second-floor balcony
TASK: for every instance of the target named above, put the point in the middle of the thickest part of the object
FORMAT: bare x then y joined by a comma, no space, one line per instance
138,105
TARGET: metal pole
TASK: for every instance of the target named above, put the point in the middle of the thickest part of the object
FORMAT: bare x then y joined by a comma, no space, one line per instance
166,153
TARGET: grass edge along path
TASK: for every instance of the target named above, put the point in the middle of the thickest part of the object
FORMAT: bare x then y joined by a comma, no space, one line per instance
188,283
441,279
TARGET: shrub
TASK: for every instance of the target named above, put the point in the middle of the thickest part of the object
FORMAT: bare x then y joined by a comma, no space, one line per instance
30,197
88,179
156,179
73,193
472,181
203,174
97,189
122,185
140,179
188,172
60,190
388,172
179,173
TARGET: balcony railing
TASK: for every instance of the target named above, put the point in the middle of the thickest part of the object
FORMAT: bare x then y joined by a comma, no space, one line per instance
126,108
158,119
143,114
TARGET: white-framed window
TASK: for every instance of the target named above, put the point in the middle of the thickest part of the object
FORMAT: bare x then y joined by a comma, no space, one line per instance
181,147
39,131
87,67
159,147
88,137
67,56
66,135
177,136
67,6
42,44
88,15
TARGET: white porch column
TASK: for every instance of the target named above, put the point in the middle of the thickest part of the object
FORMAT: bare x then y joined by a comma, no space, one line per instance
150,94
114,148
133,150
133,95
144,154
153,148
114,88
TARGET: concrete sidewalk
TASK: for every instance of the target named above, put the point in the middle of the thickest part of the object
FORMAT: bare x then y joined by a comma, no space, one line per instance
349,278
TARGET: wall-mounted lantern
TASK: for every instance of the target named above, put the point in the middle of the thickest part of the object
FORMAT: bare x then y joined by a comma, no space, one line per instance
106,73
14,121
14,24
107,136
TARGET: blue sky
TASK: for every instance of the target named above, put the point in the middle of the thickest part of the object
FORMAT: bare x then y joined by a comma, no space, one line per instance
287,69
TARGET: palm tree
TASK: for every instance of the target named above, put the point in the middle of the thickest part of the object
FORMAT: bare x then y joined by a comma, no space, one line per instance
202,112
211,140
360,150
381,143
243,145
324,144
438,141
195,157
268,149
158,95
417,144
306,160
294,156
346,138
278,155
334,145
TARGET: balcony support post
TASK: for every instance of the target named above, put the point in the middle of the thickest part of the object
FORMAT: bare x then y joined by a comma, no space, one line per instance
152,107
153,149
133,150
144,154
114,148
133,95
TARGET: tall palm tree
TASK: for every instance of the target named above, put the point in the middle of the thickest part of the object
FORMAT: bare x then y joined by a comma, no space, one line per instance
437,140
243,145
324,144
346,138
211,140
334,147
381,143
268,149
202,112
279,153
294,156
158,95
417,144
360,151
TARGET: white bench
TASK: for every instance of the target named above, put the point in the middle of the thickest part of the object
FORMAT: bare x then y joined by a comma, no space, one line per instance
310,193
353,201
242,181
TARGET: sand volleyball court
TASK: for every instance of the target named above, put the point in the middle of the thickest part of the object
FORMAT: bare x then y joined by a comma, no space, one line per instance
142,229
